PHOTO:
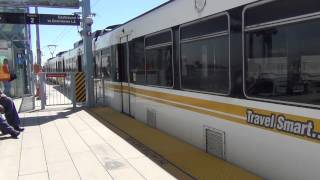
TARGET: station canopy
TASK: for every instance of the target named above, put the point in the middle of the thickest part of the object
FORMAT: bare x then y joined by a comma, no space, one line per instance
41,3
15,33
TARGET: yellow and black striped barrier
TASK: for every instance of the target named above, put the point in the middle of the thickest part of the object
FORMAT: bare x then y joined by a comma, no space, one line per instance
80,87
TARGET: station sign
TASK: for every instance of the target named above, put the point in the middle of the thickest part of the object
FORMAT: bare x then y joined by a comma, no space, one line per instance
45,19
41,3
49,19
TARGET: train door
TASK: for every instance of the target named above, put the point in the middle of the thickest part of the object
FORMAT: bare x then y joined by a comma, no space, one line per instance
63,66
98,80
106,74
125,74
79,63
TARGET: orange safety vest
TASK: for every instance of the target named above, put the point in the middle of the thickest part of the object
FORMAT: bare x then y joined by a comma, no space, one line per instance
4,73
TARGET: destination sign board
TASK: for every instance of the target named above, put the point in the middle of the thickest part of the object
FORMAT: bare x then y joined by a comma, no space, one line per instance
49,19
42,3
45,19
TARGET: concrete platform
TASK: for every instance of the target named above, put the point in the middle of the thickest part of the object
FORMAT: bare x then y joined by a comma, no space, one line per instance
61,144
181,159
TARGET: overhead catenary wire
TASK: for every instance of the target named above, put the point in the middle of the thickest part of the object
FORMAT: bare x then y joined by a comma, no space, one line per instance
60,34
65,32
96,3
68,29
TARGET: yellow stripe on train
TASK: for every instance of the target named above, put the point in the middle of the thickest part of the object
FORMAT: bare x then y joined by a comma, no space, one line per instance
287,124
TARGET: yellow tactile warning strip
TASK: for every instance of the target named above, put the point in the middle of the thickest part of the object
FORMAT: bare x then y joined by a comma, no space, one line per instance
80,87
186,161
300,127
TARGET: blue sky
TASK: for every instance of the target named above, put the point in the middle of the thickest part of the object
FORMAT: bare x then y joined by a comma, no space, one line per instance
108,12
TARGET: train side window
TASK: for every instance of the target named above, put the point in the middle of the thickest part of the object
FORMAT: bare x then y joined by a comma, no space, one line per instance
95,67
123,62
205,56
98,67
280,10
73,65
79,61
106,63
205,27
282,62
138,69
159,69
114,64
159,38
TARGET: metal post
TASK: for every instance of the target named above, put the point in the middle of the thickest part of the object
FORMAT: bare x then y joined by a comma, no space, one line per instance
43,90
43,98
73,90
32,79
128,72
30,58
38,41
88,60
32,91
103,90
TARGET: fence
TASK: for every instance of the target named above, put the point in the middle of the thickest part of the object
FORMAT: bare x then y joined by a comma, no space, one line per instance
57,89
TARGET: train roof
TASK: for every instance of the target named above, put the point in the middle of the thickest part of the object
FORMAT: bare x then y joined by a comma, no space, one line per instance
60,53
167,15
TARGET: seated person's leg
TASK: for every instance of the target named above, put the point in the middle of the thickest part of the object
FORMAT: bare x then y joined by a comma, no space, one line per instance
5,128
11,113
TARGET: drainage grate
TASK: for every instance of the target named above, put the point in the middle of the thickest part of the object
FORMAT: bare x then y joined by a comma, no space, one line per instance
215,143
151,118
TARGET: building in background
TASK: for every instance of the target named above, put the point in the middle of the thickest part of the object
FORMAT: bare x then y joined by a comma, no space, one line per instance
15,45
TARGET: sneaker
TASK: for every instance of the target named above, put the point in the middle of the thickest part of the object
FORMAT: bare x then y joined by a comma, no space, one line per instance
19,129
3,134
15,134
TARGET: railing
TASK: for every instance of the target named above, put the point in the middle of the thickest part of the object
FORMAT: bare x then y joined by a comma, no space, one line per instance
57,89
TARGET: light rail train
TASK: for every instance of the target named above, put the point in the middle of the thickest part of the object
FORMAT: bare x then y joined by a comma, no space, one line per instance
239,79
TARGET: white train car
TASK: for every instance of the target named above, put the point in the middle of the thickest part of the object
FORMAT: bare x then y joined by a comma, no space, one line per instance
66,61
233,78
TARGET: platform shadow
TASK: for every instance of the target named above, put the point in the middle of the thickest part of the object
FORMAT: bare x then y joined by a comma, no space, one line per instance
4,137
40,120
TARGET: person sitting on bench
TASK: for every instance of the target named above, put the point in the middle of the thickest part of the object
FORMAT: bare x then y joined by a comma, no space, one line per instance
5,128
10,112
